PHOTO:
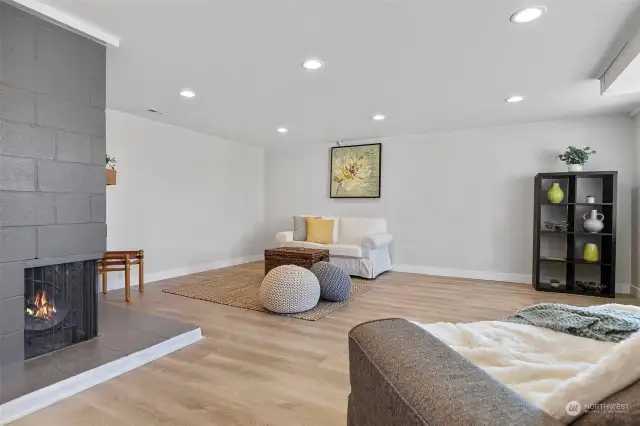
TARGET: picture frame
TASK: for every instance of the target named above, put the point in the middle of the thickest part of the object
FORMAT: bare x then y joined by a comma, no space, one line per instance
355,171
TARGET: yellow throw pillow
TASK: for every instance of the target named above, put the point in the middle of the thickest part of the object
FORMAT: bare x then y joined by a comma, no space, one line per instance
319,230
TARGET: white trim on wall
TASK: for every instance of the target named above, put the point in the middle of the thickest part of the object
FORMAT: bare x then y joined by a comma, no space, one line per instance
180,272
463,273
480,275
623,288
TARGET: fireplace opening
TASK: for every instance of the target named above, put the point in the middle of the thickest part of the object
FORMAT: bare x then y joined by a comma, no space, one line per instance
60,306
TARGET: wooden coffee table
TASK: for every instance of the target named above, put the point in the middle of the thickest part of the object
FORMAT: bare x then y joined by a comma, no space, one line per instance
299,256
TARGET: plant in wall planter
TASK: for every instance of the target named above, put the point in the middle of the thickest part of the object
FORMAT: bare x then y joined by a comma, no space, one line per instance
575,158
111,170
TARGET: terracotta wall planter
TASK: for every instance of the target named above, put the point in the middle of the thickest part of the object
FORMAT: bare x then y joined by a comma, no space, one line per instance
111,177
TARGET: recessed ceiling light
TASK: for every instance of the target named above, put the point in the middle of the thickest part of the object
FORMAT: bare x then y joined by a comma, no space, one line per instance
378,117
514,99
282,130
527,15
187,93
312,64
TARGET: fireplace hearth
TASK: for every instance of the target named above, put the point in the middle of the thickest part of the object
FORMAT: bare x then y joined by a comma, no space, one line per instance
60,306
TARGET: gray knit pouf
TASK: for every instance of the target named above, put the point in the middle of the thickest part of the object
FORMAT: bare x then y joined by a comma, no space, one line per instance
335,283
289,289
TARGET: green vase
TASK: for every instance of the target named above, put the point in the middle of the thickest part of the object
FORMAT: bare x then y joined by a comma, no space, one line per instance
555,194
590,253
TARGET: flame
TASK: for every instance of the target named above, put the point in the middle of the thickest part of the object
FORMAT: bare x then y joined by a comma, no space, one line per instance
41,307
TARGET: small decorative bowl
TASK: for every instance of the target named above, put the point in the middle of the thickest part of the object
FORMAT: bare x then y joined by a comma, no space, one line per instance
556,226
591,286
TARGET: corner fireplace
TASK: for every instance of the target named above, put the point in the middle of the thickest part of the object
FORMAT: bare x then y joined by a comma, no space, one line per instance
60,306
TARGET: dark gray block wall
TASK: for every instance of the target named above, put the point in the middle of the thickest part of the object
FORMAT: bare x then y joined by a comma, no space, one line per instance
52,151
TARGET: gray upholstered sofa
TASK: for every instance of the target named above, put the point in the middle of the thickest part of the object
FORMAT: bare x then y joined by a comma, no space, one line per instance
401,375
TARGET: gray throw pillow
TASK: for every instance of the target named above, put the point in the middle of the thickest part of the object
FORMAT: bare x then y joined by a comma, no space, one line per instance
299,228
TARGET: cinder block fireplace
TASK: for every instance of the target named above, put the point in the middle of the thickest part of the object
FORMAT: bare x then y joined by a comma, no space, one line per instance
52,184
60,306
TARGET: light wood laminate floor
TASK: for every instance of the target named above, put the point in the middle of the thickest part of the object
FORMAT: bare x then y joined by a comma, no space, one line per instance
259,369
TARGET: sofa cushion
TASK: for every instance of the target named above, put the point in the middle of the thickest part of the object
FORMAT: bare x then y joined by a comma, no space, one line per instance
299,228
336,227
300,224
353,229
343,250
320,230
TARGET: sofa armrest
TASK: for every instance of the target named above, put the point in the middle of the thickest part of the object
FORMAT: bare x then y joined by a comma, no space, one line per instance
283,237
377,241
402,375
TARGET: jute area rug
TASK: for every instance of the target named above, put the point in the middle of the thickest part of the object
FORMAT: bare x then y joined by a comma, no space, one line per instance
242,290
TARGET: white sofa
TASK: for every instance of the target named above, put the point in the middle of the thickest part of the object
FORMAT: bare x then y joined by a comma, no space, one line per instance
361,245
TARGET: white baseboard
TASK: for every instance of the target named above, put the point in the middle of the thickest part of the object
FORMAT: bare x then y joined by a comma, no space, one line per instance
116,282
464,273
634,291
480,275
623,288
44,397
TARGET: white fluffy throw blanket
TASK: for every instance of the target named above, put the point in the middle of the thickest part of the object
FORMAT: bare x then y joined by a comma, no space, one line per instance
548,368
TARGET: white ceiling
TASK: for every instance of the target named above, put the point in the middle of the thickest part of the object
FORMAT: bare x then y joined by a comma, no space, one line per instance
427,65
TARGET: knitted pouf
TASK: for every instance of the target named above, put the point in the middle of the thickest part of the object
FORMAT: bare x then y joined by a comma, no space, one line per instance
289,289
335,283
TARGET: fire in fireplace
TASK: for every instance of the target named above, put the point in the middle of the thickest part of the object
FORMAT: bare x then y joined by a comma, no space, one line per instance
40,308
60,306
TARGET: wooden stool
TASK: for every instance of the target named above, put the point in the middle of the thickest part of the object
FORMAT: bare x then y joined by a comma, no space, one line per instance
119,261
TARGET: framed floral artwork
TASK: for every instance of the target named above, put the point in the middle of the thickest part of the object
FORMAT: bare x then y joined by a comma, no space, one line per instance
356,171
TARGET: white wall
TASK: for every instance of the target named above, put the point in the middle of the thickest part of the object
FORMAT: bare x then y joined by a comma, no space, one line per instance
636,216
460,202
193,202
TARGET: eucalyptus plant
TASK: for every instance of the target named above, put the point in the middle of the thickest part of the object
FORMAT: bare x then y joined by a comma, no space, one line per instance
573,155
111,162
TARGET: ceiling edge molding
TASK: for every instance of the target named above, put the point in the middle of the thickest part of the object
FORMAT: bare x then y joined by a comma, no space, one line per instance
628,31
67,20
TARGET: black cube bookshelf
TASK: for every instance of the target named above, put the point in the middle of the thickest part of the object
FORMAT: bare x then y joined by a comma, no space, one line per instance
558,254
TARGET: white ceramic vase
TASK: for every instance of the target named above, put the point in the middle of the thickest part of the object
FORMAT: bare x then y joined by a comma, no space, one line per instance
593,222
575,167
